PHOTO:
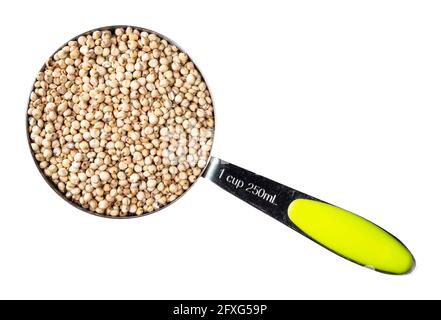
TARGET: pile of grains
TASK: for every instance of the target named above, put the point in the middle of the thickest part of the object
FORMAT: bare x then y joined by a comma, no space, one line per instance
121,121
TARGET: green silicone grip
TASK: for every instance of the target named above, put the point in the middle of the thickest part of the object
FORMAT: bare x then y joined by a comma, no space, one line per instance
351,236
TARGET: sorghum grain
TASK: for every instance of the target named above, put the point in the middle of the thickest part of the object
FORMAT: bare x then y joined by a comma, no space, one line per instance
121,121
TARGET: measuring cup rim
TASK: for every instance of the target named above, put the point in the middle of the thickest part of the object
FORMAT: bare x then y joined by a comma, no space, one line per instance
52,184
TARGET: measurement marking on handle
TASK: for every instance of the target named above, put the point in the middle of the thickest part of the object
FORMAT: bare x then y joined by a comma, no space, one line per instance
249,187
261,193
222,172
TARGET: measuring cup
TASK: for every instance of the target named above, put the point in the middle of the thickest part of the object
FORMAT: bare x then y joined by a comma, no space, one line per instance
340,231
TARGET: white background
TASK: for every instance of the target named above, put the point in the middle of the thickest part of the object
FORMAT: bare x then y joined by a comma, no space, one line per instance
340,99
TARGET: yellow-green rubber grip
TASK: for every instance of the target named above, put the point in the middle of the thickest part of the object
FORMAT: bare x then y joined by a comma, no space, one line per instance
350,236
